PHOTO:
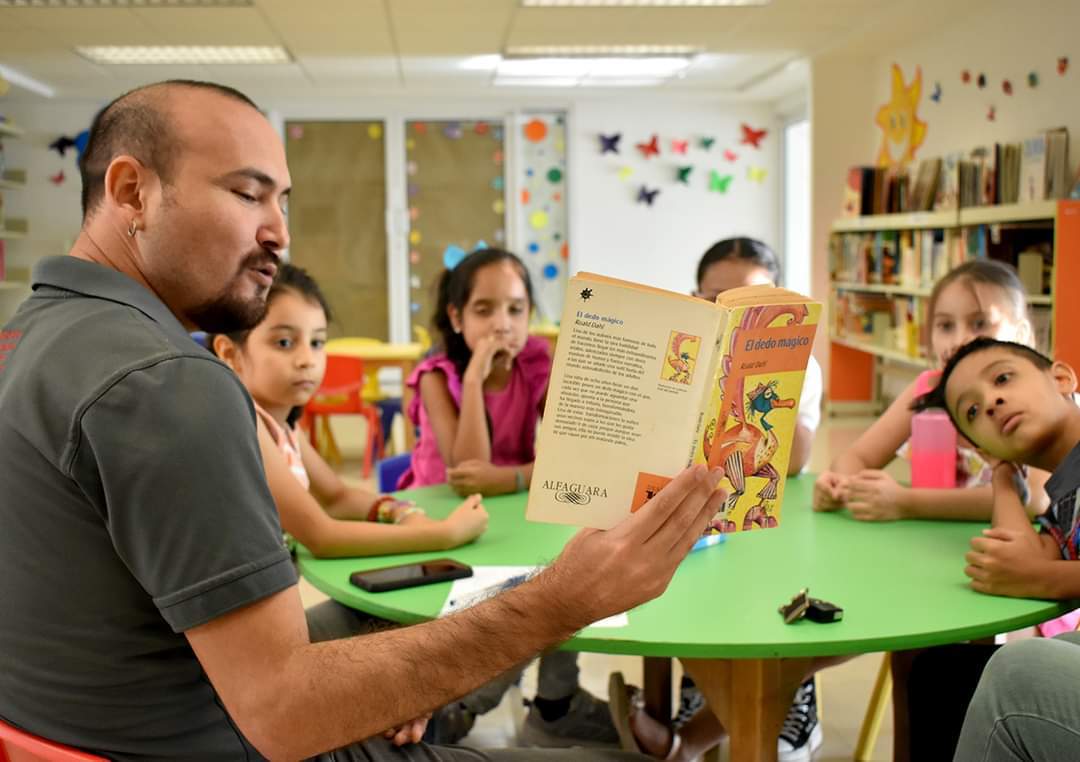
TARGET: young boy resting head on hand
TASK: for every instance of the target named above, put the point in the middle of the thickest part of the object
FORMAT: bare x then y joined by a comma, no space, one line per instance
1017,407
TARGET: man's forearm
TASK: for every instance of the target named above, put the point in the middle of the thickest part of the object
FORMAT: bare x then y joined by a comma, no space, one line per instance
338,692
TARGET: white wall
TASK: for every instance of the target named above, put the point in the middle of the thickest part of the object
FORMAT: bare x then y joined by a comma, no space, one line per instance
611,233
1006,40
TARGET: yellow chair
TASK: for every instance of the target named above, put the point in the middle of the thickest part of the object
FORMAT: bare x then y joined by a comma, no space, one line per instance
423,338
875,711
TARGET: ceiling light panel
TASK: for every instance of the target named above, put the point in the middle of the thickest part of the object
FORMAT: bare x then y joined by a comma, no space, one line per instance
607,51
639,3
185,54
126,3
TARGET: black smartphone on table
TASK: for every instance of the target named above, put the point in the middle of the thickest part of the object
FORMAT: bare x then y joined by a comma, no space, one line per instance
409,575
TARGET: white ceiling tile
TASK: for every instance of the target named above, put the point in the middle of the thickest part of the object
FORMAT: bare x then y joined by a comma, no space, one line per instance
208,26
331,27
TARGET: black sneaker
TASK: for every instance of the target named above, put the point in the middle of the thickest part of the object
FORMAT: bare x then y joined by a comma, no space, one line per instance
690,702
801,735
449,725
588,723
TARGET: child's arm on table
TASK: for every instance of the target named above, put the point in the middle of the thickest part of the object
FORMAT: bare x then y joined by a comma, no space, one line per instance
874,449
479,476
328,537
876,496
1012,558
451,424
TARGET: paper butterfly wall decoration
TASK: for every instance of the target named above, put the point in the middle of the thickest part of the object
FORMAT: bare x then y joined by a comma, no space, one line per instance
757,174
718,182
64,142
684,174
610,143
679,146
752,137
652,148
646,196
707,143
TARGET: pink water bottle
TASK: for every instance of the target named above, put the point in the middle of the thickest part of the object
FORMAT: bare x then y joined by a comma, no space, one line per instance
933,442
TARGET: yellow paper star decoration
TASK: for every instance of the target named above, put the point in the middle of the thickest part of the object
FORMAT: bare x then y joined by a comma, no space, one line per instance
902,129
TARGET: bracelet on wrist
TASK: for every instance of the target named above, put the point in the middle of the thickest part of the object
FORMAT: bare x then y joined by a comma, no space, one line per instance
409,510
379,510
519,480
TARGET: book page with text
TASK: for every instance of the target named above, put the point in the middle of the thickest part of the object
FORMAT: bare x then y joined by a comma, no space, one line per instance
628,384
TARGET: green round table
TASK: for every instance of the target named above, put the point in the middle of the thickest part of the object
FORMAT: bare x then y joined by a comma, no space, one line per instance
901,585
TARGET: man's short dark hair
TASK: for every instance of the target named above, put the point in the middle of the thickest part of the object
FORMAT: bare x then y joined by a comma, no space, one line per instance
136,124
935,398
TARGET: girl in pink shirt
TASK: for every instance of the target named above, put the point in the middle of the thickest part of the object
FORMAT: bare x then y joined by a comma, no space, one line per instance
479,397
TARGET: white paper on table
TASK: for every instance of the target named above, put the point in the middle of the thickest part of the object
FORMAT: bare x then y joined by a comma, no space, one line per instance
487,581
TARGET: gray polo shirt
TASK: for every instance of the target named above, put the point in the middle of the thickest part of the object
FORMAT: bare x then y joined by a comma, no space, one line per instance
133,506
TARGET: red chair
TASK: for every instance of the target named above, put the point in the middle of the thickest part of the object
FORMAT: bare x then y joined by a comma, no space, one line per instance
341,393
19,746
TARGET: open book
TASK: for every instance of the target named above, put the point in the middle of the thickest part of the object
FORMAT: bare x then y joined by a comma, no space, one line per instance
646,382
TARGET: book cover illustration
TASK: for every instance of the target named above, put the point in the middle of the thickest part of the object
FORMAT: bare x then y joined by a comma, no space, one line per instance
681,358
751,420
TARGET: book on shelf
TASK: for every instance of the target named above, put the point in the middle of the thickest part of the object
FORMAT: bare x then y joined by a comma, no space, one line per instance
1033,170
852,205
948,195
926,185
1057,163
1041,320
646,382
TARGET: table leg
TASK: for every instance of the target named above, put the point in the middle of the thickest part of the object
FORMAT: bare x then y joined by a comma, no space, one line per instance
406,397
656,685
750,697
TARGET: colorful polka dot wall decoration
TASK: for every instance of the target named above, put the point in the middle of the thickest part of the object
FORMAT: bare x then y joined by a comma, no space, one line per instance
535,130
374,131
497,184
541,212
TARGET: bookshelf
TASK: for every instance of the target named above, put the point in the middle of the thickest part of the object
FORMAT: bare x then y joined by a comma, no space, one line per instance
10,227
880,281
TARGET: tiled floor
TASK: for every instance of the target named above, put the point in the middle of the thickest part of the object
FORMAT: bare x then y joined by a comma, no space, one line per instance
845,689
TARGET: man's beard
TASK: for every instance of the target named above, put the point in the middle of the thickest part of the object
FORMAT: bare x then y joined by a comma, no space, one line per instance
228,313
